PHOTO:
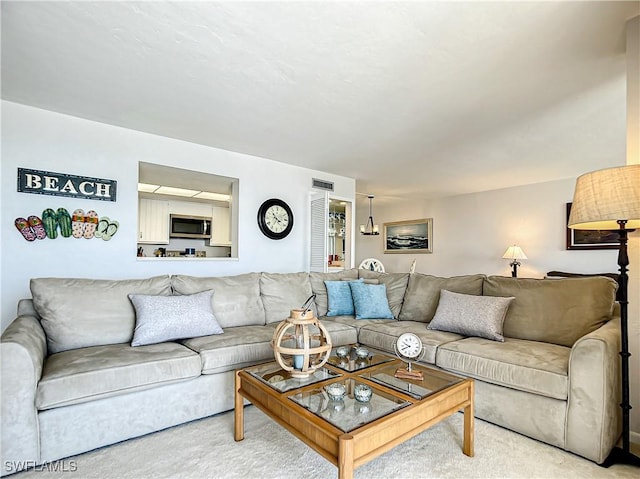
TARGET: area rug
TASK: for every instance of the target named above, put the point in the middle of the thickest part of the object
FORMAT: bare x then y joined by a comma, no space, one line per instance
206,449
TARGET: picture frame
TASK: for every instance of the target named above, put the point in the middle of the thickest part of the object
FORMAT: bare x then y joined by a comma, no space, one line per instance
408,237
590,239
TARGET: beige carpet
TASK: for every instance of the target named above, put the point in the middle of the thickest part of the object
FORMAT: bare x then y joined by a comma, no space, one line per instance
206,449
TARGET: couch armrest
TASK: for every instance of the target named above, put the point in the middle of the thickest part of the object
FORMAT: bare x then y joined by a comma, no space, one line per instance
593,410
23,348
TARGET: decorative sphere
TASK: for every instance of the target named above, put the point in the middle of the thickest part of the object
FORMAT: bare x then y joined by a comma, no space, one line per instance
362,352
343,351
362,393
335,391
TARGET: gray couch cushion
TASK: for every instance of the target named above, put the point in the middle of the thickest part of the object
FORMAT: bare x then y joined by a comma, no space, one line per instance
396,284
558,311
246,345
341,333
383,335
282,292
77,313
87,374
531,366
423,294
236,348
352,322
236,299
319,289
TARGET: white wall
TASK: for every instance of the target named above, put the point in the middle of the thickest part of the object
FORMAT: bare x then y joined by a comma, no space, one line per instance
471,233
40,139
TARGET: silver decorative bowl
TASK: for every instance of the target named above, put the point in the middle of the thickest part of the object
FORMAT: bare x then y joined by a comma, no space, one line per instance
362,393
336,391
343,351
362,352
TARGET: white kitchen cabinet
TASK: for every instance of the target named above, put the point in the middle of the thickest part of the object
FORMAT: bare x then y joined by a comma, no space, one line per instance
153,221
220,227
190,208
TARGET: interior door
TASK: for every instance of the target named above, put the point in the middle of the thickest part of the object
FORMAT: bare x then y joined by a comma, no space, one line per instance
319,205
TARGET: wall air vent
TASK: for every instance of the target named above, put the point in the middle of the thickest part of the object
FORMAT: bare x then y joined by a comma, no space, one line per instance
322,184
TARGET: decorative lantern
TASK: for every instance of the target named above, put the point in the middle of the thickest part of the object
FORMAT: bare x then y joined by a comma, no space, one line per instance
301,344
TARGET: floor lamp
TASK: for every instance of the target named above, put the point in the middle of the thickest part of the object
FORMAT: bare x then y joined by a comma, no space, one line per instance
606,200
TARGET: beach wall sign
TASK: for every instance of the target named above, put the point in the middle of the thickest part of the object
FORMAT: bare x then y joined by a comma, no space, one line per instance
62,184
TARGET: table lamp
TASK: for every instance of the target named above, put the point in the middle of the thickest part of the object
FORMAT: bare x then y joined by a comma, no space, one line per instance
604,200
514,253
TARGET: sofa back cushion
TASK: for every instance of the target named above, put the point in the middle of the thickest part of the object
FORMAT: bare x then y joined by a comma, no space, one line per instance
282,292
78,313
395,284
236,299
557,311
320,290
423,293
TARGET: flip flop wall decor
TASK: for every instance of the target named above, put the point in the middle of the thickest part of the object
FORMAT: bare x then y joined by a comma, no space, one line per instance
80,225
91,223
64,220
36,226
50,222
77,223
25,229
112,229
102,226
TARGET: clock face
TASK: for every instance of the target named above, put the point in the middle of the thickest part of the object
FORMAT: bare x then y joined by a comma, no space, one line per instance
409,345
275,219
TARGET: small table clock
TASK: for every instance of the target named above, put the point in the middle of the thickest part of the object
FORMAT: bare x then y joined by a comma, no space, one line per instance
409,349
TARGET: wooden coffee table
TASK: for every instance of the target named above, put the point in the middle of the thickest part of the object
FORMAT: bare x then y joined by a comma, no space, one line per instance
349,433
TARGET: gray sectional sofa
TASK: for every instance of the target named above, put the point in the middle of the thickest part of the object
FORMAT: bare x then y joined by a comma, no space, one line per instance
72,382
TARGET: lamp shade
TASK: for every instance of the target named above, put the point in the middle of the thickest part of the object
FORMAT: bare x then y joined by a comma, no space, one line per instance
514,252
603,197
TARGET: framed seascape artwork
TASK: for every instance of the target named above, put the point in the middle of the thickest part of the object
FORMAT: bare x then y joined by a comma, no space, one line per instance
590,239
414,236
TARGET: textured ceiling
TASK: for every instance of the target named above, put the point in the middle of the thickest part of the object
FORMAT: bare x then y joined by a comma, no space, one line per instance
418,99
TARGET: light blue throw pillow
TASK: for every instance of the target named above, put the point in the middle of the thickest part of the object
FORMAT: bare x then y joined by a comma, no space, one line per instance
339,298
370,301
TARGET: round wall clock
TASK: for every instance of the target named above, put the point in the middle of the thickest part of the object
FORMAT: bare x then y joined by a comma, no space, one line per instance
275,219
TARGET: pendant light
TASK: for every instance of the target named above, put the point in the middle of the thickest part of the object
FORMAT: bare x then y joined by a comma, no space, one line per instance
370,228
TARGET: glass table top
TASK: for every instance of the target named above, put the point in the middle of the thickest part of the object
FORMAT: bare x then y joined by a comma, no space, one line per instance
432,382
348,414
281,380
353,363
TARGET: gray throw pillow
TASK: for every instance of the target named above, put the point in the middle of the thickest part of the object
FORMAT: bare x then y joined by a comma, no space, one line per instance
166,318
470,315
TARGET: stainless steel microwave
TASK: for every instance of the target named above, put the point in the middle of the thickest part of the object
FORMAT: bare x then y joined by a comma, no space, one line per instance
184,226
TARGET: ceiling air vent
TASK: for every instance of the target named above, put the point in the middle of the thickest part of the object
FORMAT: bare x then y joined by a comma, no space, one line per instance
323,184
